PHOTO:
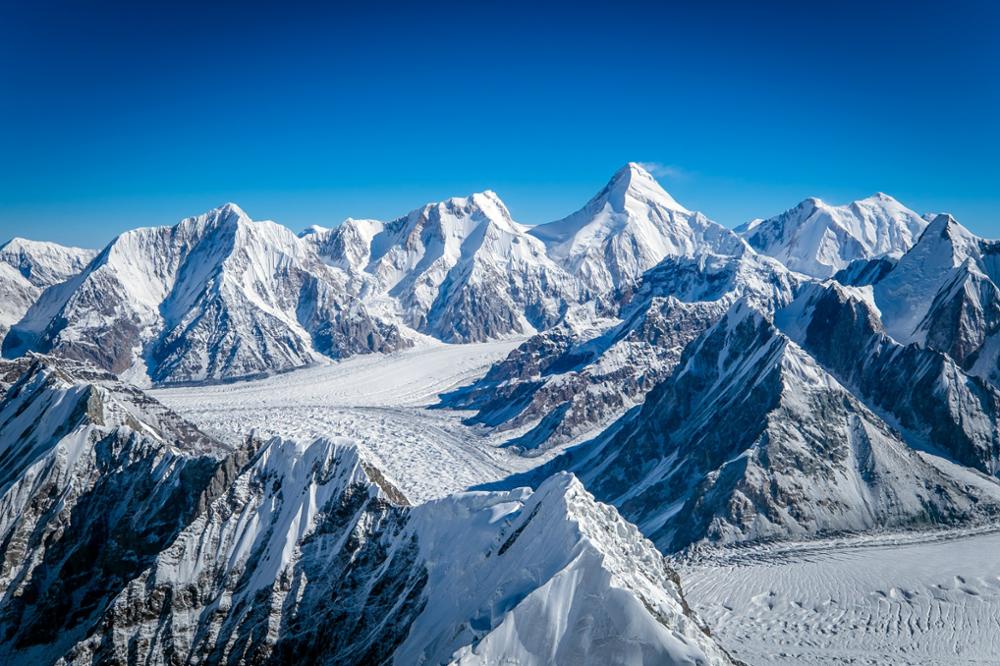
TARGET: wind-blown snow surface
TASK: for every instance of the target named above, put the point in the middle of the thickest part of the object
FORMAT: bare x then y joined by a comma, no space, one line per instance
911,599
379,401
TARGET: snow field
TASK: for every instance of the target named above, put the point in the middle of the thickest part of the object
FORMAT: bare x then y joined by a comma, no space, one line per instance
381,402
927,599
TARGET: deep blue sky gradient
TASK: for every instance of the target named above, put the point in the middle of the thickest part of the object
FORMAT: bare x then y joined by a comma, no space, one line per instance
116,115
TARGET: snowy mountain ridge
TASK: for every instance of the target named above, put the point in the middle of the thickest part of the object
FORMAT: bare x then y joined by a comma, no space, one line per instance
627,228
819,239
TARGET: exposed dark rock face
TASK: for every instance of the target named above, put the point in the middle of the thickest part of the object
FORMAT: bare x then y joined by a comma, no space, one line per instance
96,478
924,391
752,439
228,590
864,272
562,383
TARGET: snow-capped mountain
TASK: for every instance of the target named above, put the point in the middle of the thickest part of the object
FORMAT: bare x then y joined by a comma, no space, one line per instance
214,297
819,239
626,229
565,383
95,478
461,270
130,536
44,264
752,439
28,267
924,393
16,296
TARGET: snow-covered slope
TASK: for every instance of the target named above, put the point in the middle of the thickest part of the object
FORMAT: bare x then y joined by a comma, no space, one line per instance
27,267
215,297
930,399
461,270
752,439
310,555
626,229
894,600
943,294
44,264
819,239
16,296
95,478
566,382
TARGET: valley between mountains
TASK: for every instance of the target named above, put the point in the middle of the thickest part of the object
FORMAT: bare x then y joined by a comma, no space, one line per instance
628,436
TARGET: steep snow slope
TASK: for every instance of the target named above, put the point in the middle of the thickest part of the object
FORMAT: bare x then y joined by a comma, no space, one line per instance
626,229
565,383
943,294
461,270
95,478
819,239
27,267
44,264
16,296
215,297
926,599
924,393
311,555
751,439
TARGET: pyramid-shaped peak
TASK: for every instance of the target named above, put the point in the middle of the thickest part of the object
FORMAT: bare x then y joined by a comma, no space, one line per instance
633,181
944,224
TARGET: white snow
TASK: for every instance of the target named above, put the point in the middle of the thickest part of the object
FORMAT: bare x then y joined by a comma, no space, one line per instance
626,229
818,239
380,401
930,598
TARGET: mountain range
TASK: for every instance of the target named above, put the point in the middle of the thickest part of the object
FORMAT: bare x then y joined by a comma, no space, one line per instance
672,384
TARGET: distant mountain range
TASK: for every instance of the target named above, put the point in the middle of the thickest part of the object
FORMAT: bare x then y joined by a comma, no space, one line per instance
220,297
834,369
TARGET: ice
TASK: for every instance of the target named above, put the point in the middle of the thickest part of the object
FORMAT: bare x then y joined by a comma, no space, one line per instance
931,598
381,401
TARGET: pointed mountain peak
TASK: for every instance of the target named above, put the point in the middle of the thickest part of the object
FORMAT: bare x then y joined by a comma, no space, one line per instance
880,197
230,209
946,227
633,181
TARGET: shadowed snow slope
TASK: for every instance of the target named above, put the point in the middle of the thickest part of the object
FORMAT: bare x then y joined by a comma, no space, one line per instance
568,381
752,439
311,556
943,294
95,478
44,264
818,239
28,267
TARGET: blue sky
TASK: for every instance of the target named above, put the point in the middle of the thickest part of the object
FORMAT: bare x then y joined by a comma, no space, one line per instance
117,115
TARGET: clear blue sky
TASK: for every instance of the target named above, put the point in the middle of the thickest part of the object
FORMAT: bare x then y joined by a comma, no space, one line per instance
116,115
